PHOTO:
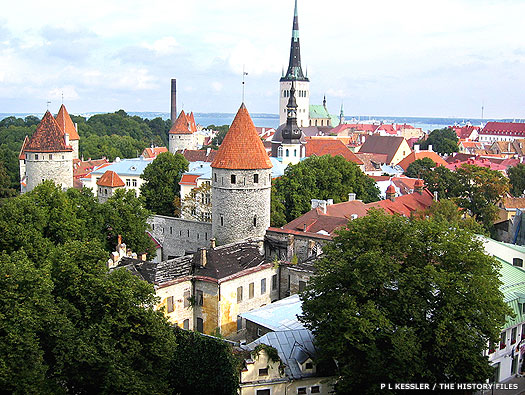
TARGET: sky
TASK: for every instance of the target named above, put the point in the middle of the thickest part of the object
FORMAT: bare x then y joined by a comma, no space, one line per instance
444,58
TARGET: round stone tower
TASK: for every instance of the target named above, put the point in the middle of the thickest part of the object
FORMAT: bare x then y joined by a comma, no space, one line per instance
182,133
49,155
241,183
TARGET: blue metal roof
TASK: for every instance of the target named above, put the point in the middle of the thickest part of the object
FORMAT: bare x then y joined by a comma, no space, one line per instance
125,167
278,316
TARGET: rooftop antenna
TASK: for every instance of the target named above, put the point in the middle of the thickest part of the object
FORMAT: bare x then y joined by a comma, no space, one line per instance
244,73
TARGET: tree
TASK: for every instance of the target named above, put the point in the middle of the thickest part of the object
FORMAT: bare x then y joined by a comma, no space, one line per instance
419,166
5,183
197,204
517,180
221,133
443,141
219,375
404,300
446,211
325,177
162,178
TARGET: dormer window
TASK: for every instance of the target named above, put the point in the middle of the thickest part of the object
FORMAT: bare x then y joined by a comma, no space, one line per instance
263,372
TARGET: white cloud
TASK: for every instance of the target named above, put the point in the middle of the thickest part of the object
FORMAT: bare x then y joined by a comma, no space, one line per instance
163,46
217,86
67,93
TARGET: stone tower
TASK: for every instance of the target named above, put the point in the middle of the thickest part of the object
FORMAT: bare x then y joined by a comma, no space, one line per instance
107,184
67,126
48,155
302,83
241,183
182,133
292,148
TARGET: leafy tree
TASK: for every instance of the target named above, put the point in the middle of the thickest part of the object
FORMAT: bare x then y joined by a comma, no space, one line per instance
221,370
221,133
197,204
480,190
443,141
162,178
517,180
5,183
446,211
324,177
419,166
404,300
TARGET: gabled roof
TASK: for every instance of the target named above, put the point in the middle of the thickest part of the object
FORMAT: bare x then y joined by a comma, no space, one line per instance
242,148
48,137
294,348
22,155
189,179
152,152
406,204
185,124
110,179
388,145
318,111
465,132
66,124
412,157
199,155
332,147
504,128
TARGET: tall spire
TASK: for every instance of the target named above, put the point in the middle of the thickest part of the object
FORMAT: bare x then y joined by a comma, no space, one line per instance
295,72
291,132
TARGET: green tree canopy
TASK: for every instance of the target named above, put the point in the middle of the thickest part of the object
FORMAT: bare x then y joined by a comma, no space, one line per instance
443,141
162,178
325,177
517,180
398,300
419,166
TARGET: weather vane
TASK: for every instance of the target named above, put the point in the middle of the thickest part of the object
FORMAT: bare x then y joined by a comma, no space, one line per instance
244,73
48,103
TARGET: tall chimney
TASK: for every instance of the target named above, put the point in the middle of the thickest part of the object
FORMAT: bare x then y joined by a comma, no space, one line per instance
173,100
203,257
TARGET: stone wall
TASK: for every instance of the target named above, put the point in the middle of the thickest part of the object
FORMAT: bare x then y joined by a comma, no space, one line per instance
240,209
179,236
181,141
55,166
284,245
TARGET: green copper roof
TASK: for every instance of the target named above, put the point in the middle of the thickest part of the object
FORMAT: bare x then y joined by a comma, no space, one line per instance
513,290
318,111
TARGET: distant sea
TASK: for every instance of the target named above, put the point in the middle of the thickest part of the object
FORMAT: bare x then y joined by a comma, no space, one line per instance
272,120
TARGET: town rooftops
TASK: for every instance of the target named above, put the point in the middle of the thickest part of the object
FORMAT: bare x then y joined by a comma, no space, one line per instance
242,149
152,152
48,137
124,167
413,156
185,124
110,179
199,155
66,124
318,111
278,316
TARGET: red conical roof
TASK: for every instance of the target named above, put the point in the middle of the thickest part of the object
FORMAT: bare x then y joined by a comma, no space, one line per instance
48,137
391,189
110,179
66,124
183,124
242,148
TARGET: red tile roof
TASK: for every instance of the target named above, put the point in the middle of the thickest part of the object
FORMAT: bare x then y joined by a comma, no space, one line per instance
320,147
82,168
22,154
465,132
420,155
242,148
512,202
185,124
477,162
189,179
66,124
152,152
48,137
196,155
406,204
110,179
504,128
388,145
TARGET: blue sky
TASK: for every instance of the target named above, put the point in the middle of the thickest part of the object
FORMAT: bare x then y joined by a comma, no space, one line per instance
398,58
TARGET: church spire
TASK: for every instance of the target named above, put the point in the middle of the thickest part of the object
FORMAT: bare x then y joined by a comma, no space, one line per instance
295,72
291,132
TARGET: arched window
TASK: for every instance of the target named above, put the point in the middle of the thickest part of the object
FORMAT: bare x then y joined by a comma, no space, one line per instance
280,152
287,153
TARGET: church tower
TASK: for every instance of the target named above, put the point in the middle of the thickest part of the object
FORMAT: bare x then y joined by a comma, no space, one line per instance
49,155
241,183
292,149
182,133
302,84
67,126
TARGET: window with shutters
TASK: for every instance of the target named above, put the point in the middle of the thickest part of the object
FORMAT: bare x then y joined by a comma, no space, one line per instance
250,290
186,298
170,304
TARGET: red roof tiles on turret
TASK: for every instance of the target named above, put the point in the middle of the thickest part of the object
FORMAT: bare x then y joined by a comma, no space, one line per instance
110,179
48,137
66,124
242,148
22,154
185,124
